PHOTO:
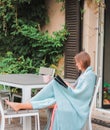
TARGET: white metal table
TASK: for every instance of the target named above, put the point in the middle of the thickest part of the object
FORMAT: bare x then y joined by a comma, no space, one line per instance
26,82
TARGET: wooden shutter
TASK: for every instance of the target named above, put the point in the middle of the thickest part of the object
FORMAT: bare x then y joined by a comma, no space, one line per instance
72,47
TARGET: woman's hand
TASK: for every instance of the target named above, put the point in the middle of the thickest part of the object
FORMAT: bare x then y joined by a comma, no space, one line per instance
47,78
69,85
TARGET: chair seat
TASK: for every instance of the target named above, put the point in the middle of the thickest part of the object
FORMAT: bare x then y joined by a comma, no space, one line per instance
12,112
21,113
7,113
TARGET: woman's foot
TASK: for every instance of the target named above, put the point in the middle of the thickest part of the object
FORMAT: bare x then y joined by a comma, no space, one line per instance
13,105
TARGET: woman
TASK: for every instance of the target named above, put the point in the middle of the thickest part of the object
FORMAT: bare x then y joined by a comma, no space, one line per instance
72,104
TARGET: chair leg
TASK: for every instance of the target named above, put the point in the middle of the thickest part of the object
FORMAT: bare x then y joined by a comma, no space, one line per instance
2,123
90,125
37,122
21,120
9,121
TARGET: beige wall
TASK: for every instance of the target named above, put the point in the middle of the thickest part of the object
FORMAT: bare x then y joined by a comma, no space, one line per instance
90,33
56,16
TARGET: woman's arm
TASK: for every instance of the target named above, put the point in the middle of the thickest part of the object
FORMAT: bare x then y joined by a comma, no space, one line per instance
73,85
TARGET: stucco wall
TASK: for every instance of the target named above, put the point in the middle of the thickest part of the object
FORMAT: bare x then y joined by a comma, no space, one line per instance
90,26
90,33
56,16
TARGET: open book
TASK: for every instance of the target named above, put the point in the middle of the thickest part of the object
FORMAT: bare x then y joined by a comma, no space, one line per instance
60,81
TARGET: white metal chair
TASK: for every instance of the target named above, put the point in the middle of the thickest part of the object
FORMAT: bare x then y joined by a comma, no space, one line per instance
46,71
8,113
14,95
5,94
88,125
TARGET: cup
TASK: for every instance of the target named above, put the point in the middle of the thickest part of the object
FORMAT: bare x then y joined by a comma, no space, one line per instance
46,78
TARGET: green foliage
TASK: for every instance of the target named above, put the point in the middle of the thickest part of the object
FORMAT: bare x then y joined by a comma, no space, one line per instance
29,11
41,50
10,64
20,36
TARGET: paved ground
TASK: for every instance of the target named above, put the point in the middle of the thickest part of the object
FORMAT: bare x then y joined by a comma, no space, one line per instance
99,127
16,125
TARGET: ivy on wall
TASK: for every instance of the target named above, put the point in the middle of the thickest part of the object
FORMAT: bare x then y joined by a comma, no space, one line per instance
20,34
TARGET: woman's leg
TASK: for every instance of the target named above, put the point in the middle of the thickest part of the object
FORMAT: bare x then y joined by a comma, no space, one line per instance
46,92
49,114
17,106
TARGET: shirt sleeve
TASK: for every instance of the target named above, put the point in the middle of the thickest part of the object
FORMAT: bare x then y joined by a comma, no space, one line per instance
43,103
85,83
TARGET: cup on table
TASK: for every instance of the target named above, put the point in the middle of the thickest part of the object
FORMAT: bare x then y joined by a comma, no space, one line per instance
46,78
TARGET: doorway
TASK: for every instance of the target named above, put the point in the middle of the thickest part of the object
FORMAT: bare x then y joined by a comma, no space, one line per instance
106,58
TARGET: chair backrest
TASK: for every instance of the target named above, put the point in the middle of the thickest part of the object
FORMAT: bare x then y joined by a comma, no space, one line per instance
47,71
88,124
93,101
98,84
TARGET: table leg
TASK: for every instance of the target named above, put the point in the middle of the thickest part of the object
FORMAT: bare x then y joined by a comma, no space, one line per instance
26,95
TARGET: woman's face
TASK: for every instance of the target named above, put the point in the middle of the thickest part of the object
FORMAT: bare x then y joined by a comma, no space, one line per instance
79,65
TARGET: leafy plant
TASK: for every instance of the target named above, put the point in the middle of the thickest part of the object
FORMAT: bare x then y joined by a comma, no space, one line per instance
27,47
10,64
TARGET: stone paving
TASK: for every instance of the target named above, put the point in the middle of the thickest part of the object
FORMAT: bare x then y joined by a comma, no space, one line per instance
99,127
15,124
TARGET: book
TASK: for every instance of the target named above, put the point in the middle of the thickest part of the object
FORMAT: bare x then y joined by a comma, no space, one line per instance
60,81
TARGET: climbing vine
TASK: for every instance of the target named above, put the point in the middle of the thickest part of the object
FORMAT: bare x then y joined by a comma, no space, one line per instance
20,35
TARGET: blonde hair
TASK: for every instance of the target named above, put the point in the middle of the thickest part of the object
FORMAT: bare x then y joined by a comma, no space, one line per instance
84,58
